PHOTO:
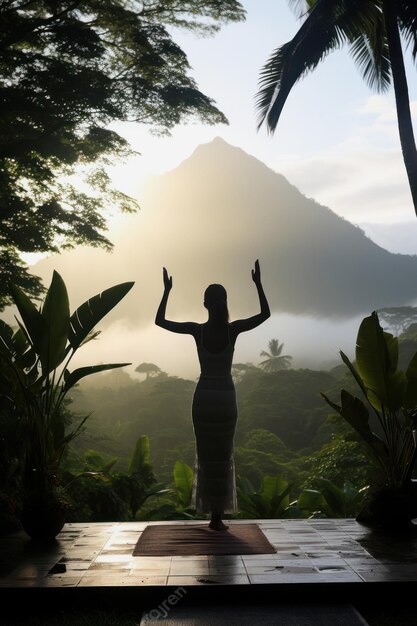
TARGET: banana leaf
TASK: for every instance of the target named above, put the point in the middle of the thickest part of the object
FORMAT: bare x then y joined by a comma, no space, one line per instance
71,378
34,323
356,414
377,360
275,492
183,477
56,312
334,496
141,455
84,319
311,500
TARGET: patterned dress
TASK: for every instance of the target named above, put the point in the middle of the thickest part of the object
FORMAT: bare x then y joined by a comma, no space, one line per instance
214,413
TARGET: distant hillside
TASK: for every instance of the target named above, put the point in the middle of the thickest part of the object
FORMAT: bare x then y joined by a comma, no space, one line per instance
210,218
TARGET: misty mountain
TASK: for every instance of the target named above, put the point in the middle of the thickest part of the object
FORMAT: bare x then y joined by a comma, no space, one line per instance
209,219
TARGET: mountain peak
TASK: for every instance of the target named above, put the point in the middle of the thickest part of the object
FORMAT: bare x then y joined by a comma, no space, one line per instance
208,220
218,144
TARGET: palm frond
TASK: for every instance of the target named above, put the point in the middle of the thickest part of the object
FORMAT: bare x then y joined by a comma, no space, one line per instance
407,21
315,39
300,7
267,366
376,72
329,24
370,51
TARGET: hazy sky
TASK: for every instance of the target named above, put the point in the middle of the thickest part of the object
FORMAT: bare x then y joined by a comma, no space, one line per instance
337,141
207,221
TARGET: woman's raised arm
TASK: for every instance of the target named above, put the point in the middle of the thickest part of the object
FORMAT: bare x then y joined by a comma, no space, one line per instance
240,326
186,328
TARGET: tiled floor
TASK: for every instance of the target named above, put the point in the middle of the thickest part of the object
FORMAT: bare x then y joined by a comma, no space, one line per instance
308,551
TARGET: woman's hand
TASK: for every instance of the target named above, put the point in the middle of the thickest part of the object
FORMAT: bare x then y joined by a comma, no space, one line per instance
256,273
167,280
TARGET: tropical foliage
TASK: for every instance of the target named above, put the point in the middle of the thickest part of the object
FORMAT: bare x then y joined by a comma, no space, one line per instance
35,377
68,70
98,493
328,500
272,501
386,420
372,29
285,432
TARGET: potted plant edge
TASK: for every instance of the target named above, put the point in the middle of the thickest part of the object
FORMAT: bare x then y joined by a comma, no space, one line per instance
35,379
385,420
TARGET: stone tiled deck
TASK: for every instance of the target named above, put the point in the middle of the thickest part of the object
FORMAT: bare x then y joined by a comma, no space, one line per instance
334,558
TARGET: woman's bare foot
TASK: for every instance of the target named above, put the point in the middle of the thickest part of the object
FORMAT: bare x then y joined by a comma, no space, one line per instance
216,523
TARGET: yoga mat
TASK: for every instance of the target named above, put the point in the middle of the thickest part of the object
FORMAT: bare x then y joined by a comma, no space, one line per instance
195,539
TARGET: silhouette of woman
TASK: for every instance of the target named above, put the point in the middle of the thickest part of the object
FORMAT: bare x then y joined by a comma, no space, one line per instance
214,409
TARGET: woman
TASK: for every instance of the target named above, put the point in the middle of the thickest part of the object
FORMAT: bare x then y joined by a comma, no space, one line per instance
214,409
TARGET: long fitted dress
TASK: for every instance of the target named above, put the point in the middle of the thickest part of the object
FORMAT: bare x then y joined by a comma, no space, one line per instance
214,414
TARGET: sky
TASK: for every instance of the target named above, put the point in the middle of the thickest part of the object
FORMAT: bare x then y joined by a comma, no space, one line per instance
337,142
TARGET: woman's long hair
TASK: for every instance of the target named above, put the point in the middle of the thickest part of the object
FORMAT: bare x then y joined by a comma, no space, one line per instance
215,301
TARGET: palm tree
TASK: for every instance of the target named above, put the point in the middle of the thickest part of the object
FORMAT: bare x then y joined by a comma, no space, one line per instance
275,360
372,29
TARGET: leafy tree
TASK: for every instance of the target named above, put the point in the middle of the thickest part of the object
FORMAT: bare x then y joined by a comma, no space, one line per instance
254,464
240,370
372,30
150,369
265,441
398,318
275,360
68,69
343,456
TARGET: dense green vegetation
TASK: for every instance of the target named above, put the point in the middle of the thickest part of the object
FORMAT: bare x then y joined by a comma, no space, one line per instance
133,459
68,71
284,431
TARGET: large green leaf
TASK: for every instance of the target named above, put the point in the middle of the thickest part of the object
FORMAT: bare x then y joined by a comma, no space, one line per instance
355,412
56,312
311,500
245,486
183,477
141,455
275,494
84,319
334,496
377,359
71,378
34,323
273,485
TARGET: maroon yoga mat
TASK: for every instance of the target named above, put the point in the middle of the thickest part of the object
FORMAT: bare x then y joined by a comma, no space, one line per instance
189,539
